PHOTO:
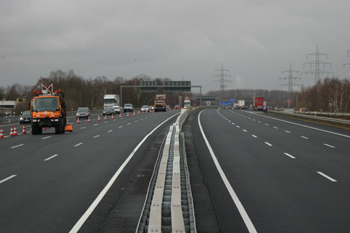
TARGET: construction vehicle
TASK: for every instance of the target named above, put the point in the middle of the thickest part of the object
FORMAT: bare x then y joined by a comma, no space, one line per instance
48,110
160,102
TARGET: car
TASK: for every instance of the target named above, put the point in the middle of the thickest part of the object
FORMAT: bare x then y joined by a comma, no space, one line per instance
150,108
83,112
116,109
26,117
244,107
108,111
303,110
144,108
168,108
259,108
128,108
177,107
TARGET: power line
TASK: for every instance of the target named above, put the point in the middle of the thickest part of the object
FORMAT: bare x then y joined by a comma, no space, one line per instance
317,63
290,79
222,81
347,63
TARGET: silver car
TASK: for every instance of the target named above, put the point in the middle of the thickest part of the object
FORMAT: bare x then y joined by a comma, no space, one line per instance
83,112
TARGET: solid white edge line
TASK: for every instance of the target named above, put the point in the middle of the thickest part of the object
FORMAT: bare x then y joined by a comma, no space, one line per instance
51,157
6,179
234,197
91,208
327,177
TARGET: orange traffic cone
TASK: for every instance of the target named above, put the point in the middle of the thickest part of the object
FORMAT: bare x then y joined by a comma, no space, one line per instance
11,132
15,132
98,118
89,120
127,114
138,113
112,116
120,115
24,129
133,114
105,117
1,133
78,120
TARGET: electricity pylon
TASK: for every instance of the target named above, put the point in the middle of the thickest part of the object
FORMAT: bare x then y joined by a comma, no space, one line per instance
317,63
290,79
222,81
347,63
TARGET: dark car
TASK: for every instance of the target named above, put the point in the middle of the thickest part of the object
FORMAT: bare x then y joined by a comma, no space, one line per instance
83,112
108,111
26,117
259,108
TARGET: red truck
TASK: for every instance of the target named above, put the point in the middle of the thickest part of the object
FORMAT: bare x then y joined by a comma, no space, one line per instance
258,103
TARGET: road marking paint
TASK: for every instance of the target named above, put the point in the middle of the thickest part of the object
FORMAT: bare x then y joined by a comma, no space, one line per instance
51,157
95,124
304,137
291,156
135,121
275,127
254,136
238,126
129,124
268,144
109,131
253,119
83,127
233,123
17,146
327,177
120,126
259,121
287,131
266,124
78,144
46,137
229,188
98,199
328,145
244,130
96,136
8,178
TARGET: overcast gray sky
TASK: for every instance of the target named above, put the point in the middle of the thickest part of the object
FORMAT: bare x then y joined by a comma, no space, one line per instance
182,40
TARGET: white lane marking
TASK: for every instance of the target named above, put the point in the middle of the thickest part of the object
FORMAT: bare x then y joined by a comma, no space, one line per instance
129,124
253,119
8,178
51,157
266,124
254,136
328,145
95,124
120,127
109,131
233,123
304,137
305,126
78,144
275,127
268,144
83,127
96,136
287,131
291,156
238,126
327,177
135,121
244,130
234,197
259,121
46,137
91,208
17,146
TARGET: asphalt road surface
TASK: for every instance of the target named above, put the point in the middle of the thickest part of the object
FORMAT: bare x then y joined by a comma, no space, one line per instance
251,172
91,180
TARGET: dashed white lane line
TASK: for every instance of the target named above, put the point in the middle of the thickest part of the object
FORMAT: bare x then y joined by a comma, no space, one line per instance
289,155
120,127
304,137
275,127
96,136
244,130
83,127
269,144
46,137
95,124
50,157
254,136
266,124
8,178
328,145
327,177
287,131
238,126
109,131
79,144
17,146
129,123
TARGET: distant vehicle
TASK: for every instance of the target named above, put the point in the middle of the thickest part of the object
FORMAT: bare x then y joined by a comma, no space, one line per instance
128,108
110,100
116,109
266,108
144,108
303,110
26,117
241,103
150,108
177,107
187,103
168,108
160,102
258,101
108,111
259,108
244,107
83,112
